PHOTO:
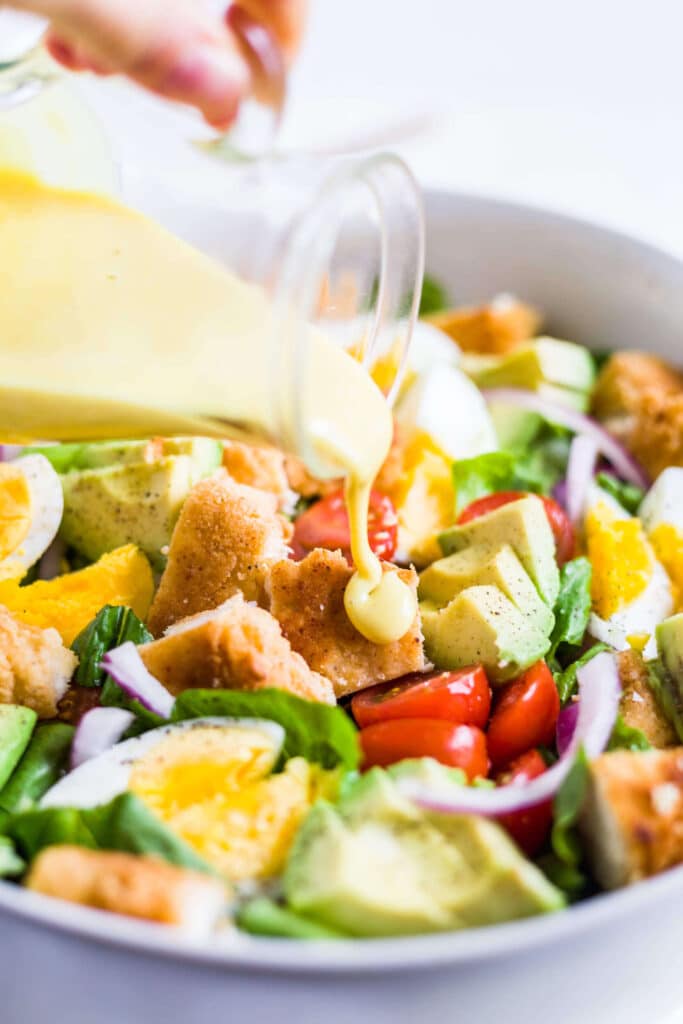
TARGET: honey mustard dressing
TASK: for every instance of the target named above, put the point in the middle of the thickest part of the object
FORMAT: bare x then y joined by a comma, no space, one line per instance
112,327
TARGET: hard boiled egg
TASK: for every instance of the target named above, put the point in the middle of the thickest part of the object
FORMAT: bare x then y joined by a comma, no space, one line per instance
210,781
31,506
631,590
662,516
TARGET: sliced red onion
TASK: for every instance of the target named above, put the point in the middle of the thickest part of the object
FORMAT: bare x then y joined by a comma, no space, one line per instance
50,564
127,668
559,493
579,423
583,457
9,452
566,724
599,692
98,730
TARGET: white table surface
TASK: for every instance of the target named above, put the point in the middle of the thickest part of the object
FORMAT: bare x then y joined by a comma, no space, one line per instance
575,106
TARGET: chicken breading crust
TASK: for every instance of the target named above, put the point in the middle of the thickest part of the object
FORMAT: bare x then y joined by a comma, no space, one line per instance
632,820
638,705
225,540
307,598
35,666
492,330
127,884
259,467
640,399
237,646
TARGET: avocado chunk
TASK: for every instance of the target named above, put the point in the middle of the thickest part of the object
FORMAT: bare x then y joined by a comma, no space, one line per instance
16,726
545,361
205,452
130,503
666,674
524,526
482,627
482,566
377,865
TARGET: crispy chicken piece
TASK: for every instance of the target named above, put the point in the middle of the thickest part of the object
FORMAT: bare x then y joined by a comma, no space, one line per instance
260,467
307,598
35,666
308,486
492,330
227,537
127,884
638,705
640,399
632,820
236,646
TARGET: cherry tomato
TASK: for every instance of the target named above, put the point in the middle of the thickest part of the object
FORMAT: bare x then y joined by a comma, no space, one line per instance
463,696
326,525
563,531
529,828
524,715
459,746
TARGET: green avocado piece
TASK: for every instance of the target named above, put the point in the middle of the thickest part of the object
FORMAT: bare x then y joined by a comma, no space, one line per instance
206,453
482,627
378,865
524,526
545,361
666,674
16,726
130,503
475,566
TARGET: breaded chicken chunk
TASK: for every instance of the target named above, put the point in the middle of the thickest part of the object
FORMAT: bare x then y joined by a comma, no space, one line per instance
124,883
260,467
227,537
492,330
237,646
638,706
307,598
632,820
640,399
35,666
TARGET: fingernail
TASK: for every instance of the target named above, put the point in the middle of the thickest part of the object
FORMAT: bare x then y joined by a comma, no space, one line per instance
212,78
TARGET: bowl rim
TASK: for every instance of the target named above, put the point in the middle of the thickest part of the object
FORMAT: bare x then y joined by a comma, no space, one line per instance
237,951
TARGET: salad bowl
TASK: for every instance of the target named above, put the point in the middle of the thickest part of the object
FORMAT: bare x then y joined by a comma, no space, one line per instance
612,958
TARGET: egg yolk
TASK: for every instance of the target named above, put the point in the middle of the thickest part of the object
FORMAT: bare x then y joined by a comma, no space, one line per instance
621,559
15,509
424,498
211,785
668,544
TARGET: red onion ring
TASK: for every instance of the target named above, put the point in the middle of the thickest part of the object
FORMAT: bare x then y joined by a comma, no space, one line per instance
583,457
98,730
127,668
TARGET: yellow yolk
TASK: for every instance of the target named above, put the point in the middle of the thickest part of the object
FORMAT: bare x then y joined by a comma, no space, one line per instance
212,786
424,498
15,509
621,558
668,544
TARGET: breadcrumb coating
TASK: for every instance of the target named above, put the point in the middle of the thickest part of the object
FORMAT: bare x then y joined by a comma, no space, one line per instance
35,666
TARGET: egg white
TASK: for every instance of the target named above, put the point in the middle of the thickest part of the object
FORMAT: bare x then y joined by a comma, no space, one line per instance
663,503
47,506
642,615
104,777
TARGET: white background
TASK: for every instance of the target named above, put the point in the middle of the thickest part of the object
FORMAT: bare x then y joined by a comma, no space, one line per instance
574,105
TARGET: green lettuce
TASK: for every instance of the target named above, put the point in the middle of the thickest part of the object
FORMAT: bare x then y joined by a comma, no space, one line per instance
563,863
565,679
11,864
262,916
628,495
626,737
573,606
319,732
433,298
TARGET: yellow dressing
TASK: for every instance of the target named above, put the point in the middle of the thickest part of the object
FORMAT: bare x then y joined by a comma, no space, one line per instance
112,327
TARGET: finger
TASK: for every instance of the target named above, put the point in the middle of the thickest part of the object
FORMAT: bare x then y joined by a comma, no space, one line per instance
285,18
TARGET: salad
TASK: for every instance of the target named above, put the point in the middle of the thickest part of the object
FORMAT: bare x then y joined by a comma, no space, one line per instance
193,733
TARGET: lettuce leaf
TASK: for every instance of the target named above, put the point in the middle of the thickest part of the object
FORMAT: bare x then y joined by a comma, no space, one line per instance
262,916
565,679
319,732
563,864
626,737
11,864
111,627
573,606
433,298
628,495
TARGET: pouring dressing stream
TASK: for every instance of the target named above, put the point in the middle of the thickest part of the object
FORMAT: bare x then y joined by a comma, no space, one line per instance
112,327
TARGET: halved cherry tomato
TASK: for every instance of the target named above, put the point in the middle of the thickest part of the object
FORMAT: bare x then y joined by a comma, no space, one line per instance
563,531
524,715
459,746
326,525
463,696
529,828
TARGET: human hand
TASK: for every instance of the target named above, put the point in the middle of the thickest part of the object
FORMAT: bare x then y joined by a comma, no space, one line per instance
176,48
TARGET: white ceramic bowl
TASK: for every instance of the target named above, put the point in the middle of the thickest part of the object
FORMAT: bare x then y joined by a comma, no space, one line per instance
614,958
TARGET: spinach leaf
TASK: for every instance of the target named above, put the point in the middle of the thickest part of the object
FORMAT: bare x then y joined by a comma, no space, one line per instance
63,457
318,732
112,696
11,864
262,916
40,767
111,627
32,831
626,737
573,605
433,298
565,679
629,496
